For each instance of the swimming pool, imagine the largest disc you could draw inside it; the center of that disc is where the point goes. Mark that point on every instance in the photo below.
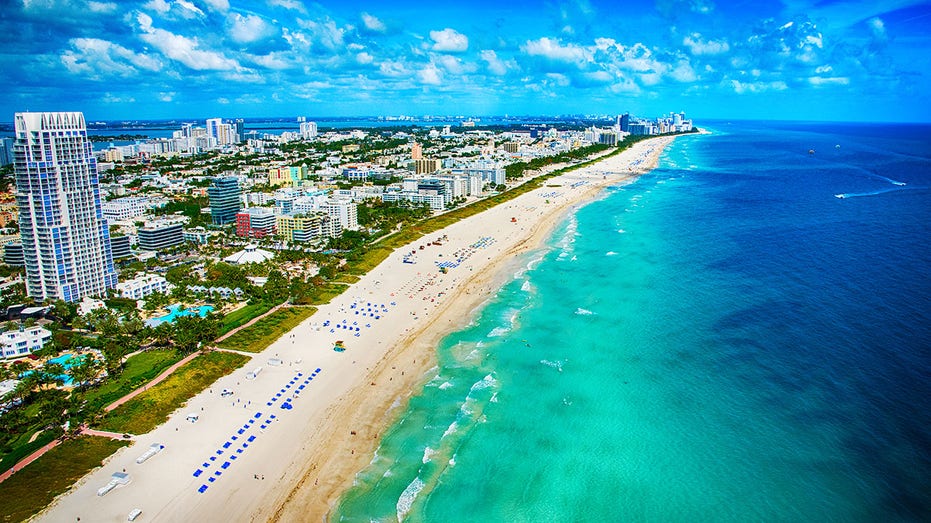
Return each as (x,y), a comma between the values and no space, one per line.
(176,310)
(67,361)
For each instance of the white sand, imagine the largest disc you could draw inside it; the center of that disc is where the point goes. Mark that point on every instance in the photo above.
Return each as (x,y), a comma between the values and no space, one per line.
(307,455)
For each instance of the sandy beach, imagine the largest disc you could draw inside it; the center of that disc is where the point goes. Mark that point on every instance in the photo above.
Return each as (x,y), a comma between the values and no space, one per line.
(288,441)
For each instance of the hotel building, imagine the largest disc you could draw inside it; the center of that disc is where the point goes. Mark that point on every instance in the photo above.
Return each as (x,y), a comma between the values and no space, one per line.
(66,240)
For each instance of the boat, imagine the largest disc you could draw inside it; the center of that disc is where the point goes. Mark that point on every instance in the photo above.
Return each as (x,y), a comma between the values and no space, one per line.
(841,196)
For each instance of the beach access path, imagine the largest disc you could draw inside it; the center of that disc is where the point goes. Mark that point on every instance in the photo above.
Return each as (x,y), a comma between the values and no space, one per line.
(303,418)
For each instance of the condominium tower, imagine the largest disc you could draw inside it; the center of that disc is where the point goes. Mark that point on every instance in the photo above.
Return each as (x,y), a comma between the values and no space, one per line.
(66,241)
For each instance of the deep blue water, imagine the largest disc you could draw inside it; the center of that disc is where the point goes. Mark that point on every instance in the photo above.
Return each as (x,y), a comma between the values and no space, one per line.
(723,340)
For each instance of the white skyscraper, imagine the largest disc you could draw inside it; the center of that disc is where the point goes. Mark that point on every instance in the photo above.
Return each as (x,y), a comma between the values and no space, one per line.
(309,130)
(66,241)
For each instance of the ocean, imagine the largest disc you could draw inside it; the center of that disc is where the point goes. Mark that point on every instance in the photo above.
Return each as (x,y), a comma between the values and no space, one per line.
(723,340)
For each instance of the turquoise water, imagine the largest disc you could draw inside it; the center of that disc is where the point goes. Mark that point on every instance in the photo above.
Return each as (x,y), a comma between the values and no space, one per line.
(175,310)
(66,361)
(724,340)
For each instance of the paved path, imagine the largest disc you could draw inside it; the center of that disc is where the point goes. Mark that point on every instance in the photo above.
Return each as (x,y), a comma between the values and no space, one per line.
(253,320)
(105,434)
(29,459)
(167,372)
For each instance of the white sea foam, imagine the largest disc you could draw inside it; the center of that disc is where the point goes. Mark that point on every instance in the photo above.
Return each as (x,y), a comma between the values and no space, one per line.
(610,253)
(498,331)
(445,385)
(427,454)
(452,461)
(583,312)
(408,496)
(494,398)
(622,231)
(553,364)
(450,429)
(527,286)
(484,383)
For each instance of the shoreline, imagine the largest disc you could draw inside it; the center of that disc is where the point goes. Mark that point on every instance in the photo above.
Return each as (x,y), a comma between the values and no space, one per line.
(465,304)
(312,453)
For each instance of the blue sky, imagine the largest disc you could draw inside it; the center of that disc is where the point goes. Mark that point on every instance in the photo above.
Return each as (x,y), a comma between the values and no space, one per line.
(796,59)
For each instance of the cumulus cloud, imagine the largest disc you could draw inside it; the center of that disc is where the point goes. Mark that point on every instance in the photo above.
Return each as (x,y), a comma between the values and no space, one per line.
(553,49)
(495,64)
(166,96)
(372,23)
(248,28)
(183,49)
(325,32)
(430,75)
(219,5)
(449,40)
(698,46)
(94,57)
(293,5)
(364,58)
(878,28)
(101,7)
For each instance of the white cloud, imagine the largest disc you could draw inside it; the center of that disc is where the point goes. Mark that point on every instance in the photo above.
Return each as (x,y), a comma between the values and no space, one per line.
(159,6)
(294,5)
(373,24)
(364,58)
(430,75)
(248,28)
(219,5)
(824,69)
(683,72)
(455,65)
(495,65)
(223,101)
(101,7)
(554,50)
(833,80)
(877,27)
(189,10)
(757,87)
(167,96)
(182,49)
(449,40)
(271,61)
(326,33)
(393,68)
(698,46)
(113,99)
(93,56)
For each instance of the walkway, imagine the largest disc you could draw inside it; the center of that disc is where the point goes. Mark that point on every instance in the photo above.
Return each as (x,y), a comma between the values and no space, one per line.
(161,377)
(29,459)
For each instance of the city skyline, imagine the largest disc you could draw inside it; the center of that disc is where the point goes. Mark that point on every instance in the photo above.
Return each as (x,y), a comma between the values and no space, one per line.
(154,59)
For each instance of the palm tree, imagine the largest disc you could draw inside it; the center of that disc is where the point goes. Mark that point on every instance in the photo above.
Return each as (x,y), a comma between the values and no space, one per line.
(84,372)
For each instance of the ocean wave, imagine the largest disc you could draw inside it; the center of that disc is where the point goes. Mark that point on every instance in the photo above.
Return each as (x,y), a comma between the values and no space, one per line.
(484,383)
(427,454)
(445,385)
(621,231)
(498,331)
(406,501)
(610,253)
(527,286)
(451,429)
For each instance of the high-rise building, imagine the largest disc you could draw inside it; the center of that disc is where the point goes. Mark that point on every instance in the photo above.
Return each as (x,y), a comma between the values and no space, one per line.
(66,240)
(240,127)
(416,151)
(625,122)
(308,130)
(225,199)
(6,151)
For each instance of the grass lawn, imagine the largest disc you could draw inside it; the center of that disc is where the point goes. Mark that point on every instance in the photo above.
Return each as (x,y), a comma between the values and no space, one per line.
(137,371)
(22,447)
(242,316)
(32,488)
(264,332)
(151,408)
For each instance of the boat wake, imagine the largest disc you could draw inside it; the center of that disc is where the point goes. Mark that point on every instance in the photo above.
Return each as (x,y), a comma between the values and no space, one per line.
(848,195)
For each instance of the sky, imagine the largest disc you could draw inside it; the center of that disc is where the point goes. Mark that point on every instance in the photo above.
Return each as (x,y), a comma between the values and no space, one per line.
(856,60)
